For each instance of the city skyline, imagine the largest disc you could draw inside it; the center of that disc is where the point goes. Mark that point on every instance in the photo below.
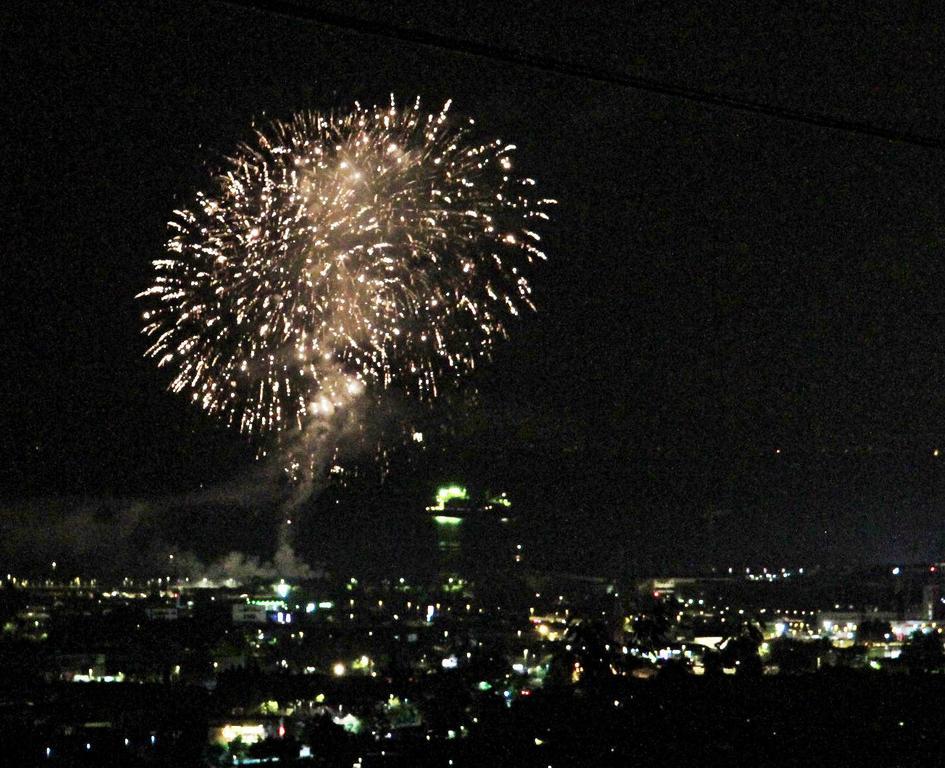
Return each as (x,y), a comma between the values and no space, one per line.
(400,384)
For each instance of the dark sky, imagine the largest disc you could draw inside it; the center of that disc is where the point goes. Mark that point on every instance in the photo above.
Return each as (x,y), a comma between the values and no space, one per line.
(723,285)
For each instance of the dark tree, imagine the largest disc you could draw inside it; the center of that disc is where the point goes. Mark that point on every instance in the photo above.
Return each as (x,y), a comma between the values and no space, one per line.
(923,652)
(873,631)
(796,656)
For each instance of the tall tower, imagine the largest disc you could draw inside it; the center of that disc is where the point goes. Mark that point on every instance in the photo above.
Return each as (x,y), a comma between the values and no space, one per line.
(471,536)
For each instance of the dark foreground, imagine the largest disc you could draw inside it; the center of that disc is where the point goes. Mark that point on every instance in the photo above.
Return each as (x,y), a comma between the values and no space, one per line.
(830,718)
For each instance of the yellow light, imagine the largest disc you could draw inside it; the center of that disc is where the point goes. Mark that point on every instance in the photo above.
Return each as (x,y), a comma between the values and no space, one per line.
(249,734)
(338,669)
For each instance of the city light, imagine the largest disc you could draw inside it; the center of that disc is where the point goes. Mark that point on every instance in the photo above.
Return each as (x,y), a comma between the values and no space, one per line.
(248,734)
(501,500)
(349,722)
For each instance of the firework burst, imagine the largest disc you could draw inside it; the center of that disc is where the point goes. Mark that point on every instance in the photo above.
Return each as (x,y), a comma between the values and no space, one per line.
(334,257)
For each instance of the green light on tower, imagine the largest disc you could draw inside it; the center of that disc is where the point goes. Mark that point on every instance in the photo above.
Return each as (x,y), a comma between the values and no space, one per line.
(449,493)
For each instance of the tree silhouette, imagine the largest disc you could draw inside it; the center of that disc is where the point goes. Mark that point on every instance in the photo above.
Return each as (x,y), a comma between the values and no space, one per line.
(651,629)
(740,649)
(873,631)
(589,642)
(796,656)
(923,652)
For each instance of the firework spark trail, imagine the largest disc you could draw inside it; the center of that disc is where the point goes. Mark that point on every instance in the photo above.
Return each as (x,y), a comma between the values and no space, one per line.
(334,257)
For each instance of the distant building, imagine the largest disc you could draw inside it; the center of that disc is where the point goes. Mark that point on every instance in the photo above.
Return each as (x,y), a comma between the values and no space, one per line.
(265,612)
(933,604)
(248,613)
(81,667)
(162,614)
(471,534)
(248,731)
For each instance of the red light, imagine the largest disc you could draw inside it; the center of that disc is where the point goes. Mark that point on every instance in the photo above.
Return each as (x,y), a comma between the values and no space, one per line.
(281,731)
(932,568)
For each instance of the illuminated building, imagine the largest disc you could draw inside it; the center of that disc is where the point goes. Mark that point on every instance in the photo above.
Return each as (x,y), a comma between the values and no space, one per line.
(247,731)
(261,612)
(469,533)
(249,614)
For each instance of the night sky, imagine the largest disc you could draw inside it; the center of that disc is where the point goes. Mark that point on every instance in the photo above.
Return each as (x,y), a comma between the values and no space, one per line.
(741,320)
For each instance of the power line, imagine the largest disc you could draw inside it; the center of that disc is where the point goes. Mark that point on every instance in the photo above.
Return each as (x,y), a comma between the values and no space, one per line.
(584,72)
